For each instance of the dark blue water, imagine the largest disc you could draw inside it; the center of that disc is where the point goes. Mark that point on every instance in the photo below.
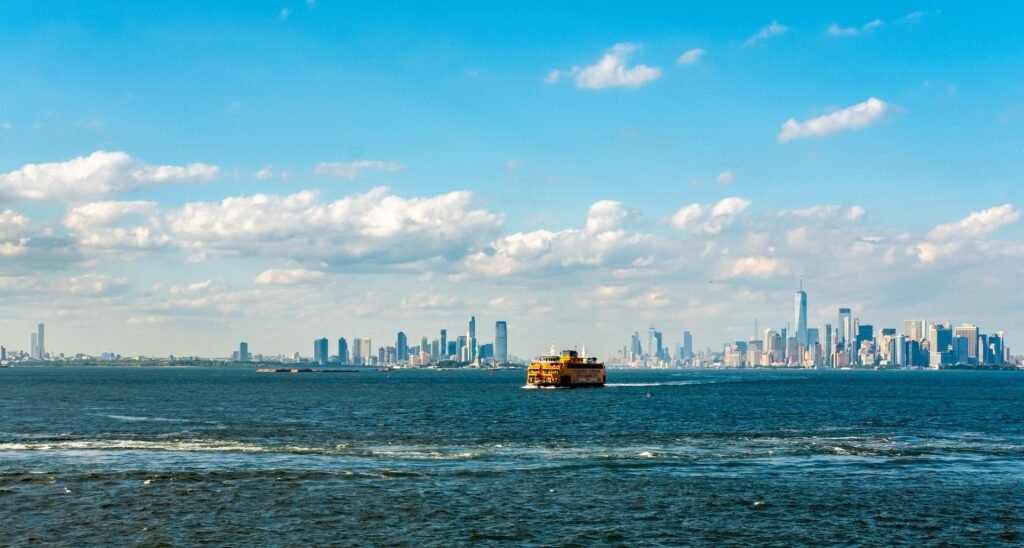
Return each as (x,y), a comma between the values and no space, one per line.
(185,456)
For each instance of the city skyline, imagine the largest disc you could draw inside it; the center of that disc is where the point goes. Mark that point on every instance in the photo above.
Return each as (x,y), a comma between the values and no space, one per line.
(311,168)
(920,343)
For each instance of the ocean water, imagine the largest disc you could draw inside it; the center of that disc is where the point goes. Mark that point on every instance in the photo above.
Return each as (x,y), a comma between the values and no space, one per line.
(186,456)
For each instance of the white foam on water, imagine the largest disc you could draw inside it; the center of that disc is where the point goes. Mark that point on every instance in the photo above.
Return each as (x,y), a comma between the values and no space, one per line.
(133,418)
(142,445)
(648,384)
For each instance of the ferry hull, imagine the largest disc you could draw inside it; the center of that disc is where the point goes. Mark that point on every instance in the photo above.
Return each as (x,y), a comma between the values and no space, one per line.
(569,385)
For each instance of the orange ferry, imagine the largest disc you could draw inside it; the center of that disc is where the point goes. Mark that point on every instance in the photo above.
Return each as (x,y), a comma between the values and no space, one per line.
(565,370)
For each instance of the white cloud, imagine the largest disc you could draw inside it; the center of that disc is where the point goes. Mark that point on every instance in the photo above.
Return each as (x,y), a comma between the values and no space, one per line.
(726,177)
(6,126)
(429,301)
(374,228)
(611,291)
(978,224)
(603,239)
(851,118)
(288,276)
(12,223)
(913,17)
(690,57)
(708,220)
(687,217)
(102,225)
(513,165)
(757,267)
(100,173)
(351,170)
(92,285)
(766,32)
(931,252)
(837,31)
(611,70)
(265,172)
(607,215)
(826,212)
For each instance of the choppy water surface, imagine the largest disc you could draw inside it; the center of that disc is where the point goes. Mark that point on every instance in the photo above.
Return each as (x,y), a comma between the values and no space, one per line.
(101,456)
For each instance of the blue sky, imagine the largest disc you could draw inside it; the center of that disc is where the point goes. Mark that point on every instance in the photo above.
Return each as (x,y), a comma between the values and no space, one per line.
(432,100)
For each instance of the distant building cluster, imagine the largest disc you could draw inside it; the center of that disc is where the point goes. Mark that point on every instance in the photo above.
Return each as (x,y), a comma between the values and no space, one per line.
(850,344)
(462,350)
(37,348)
(847,344)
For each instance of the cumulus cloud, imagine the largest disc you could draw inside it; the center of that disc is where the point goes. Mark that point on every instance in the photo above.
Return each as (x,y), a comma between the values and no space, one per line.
(978,224)
(352,170)
(375,228)
(766,32)
(265,172)
(92,285)
(115,225)
(611,70)
(690,57)
(708,219)
(100,173)
(12,223)
(837,31)
(726,177)
(429,301)
(851,118)
(947,241)
(826,212)
(611,291)
(288,276)
(757,267)
(602,240)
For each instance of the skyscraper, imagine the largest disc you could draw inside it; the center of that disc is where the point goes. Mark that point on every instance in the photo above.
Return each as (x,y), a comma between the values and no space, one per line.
(969,332)
(41,343)
(845,327)
(634,346)
(402,347)
(342,350)
(651,350)
(687,344)
(357,351)
(320,352)
(444,342)
(772,347)
(828,348)
(33,351)
(471,339)
(367,345)
(914,330)
(243,352)
(501,341)
(800,314)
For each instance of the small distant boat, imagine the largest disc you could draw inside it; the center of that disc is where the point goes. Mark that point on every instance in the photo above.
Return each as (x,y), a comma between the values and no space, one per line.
(385,369)
(567,370)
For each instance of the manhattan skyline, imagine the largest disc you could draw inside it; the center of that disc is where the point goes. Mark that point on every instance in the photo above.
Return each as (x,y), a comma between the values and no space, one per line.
(289,170)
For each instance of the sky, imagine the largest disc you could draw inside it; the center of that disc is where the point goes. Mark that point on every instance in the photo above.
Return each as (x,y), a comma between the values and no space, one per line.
(179,177)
